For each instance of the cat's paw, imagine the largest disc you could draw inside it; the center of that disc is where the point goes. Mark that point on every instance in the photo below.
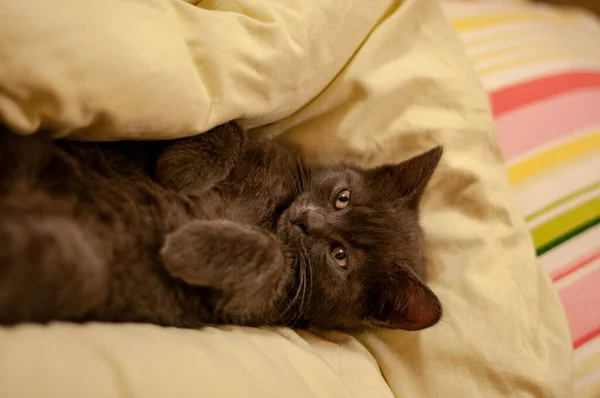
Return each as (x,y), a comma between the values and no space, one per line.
(234,137)
(198,163)
(222,254)
(245,267)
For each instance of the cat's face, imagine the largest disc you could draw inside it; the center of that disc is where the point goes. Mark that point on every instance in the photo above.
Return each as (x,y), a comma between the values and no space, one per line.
(356,241)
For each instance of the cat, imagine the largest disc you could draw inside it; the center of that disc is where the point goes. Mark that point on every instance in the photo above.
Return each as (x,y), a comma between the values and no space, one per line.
(212,229)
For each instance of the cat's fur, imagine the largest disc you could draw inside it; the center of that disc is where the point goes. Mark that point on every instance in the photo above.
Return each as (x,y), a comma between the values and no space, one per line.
(215,228)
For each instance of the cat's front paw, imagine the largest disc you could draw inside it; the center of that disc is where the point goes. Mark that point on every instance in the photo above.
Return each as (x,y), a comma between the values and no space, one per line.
(185,251)
(198,163)
(244,266)
(223,254)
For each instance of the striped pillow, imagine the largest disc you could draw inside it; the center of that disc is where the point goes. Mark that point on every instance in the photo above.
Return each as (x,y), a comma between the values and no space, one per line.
(541,68)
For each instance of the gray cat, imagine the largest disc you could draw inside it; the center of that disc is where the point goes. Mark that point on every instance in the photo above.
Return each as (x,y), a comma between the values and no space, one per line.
(212,229)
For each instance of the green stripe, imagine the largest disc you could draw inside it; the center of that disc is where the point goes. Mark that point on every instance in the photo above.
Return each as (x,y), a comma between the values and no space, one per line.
(562,239)
(562,224)
(563,200)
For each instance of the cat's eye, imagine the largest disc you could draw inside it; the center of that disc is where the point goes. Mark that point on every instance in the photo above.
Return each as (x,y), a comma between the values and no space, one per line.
(340,256)
(342,199)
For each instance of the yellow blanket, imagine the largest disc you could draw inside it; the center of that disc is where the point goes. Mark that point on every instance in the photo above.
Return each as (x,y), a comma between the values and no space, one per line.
(366,81)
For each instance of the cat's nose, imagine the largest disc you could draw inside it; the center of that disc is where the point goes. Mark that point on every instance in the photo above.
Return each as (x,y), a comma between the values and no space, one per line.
(309,221)
(302,221)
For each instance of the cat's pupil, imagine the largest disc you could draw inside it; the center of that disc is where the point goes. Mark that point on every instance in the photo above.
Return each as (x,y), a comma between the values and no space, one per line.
(343,198)
(340,255)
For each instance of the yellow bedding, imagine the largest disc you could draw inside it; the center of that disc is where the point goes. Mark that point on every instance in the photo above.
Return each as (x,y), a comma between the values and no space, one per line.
(369,82)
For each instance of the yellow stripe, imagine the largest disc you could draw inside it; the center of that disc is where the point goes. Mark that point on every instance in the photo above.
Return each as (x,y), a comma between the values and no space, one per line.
(511,35)
(507,50)
(564,223)
(537,48)
(552,157)
(474,22)
(535,59)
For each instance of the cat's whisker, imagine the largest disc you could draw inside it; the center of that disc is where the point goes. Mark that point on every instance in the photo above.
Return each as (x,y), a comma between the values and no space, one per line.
(303,178)
(284,314)
(310,274)
(303,273)
(303,296)
(294,182)
(293,317)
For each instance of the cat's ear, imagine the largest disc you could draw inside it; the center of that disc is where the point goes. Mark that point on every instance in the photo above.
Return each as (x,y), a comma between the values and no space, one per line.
(411,176)
(413,307)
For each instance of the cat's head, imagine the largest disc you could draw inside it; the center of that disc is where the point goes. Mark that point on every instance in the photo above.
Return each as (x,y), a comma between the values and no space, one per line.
(356,241)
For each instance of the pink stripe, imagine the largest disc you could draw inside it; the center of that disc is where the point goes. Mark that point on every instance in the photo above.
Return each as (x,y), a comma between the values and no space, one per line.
(574,266)
(512,97)
(589,336)
(532,125)
(581,300)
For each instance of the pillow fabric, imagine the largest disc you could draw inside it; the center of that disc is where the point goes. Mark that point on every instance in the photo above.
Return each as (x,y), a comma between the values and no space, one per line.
(150,69)
(369,83)
(541,67)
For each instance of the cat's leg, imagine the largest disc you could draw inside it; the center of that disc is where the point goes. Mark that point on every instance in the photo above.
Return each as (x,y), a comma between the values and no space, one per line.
(245,265)
(49,270)
(198,163)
